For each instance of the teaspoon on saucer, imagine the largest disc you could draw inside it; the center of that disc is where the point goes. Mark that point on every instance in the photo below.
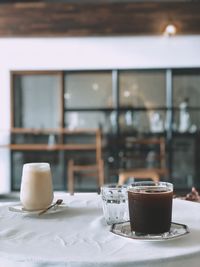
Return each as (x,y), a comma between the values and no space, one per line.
(58,202)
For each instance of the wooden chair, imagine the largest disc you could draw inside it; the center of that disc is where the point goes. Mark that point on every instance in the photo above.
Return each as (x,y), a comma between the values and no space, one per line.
(94,169)
(152,172)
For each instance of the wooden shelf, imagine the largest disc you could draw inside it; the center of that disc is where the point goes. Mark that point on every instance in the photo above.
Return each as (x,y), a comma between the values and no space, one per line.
(54,147)
(51,131)
(40,147)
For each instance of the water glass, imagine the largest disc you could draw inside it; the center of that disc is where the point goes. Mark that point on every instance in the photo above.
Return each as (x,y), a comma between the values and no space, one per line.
(115,203)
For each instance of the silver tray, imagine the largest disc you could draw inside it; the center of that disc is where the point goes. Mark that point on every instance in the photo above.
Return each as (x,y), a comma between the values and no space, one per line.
(124,229)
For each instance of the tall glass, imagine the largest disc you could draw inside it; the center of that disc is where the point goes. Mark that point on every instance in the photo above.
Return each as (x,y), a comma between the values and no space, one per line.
(115,203)
(150,207)
(36,191)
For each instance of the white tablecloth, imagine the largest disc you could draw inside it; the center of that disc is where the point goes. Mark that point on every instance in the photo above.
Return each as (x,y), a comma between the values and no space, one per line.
(78,236)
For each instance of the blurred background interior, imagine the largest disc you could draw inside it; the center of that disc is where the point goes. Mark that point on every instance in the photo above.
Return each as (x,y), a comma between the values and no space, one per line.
(105,91)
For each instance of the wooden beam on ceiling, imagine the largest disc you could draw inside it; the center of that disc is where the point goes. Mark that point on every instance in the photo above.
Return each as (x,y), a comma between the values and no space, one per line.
(45,19)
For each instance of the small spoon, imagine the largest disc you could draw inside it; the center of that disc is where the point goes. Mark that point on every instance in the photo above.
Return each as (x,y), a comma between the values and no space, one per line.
(58,202)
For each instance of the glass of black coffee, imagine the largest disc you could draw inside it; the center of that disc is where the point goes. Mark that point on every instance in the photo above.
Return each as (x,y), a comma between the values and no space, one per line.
(150,207)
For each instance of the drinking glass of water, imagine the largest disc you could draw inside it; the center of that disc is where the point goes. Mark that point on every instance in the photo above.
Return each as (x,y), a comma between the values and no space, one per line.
(115,203)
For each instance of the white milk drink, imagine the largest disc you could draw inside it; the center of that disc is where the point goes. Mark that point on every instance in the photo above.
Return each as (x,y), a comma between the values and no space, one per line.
(36,191)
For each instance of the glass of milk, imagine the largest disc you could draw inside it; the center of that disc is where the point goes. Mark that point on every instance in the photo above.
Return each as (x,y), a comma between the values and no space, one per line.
(36,191)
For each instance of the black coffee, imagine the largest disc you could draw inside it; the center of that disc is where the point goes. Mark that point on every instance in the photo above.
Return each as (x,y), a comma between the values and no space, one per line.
(150,210)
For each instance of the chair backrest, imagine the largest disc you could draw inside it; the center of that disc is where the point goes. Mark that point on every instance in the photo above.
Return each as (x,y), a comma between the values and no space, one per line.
(82,142)
(147,152)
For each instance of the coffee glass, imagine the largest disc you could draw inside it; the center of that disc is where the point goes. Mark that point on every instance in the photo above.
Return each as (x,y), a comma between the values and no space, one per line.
(115,203)
(36,191)
(150,207)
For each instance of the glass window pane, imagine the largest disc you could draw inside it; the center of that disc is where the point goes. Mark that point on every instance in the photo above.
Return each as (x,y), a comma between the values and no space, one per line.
(186,86)
(142,89)
(90,120)
(88,90)
(183,171)
(187,122)
(37,101)
(134,121)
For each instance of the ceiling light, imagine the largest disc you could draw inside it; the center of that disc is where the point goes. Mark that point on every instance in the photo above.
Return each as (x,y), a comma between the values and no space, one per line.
(170,30)
(95,86)
(127,93)
(67,96)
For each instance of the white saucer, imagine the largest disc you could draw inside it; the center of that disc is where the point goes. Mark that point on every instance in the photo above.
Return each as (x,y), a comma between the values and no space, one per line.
(19,208)
(124,229)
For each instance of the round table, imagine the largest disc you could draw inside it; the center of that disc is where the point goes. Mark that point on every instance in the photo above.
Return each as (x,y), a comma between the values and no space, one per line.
(78,236)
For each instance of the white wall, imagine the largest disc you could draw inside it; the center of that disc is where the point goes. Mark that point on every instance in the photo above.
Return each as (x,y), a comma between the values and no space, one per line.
(85,53)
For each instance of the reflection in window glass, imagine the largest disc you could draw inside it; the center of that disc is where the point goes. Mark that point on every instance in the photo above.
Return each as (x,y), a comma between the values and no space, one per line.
(183,151)
(88,90)
(142,89)
(186,122)
(90,120)
(36,101)
(186,88)
(186,95)
(142,121)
